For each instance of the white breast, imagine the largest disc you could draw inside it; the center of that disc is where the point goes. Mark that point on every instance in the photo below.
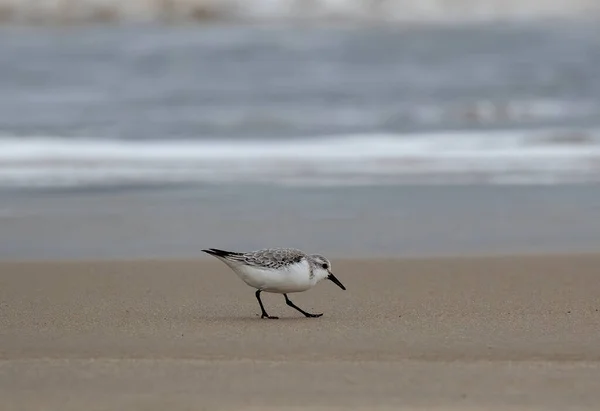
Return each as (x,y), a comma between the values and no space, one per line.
(290,279)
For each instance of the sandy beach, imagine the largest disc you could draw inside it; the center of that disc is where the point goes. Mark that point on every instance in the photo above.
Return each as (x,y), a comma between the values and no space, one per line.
(513,332)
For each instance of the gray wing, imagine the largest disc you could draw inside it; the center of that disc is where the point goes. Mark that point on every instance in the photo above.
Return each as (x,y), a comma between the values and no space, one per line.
(273,257)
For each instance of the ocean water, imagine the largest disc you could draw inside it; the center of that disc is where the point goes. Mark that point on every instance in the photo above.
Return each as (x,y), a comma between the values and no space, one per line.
(490,103)
(111,134)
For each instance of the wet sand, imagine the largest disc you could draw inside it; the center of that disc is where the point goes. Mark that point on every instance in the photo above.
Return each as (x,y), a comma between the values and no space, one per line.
(492,333)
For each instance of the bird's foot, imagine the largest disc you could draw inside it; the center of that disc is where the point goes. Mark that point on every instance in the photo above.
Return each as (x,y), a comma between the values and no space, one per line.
(309,315)
(270,317)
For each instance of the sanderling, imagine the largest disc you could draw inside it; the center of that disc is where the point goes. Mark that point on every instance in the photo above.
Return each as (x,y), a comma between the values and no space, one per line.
(278,270)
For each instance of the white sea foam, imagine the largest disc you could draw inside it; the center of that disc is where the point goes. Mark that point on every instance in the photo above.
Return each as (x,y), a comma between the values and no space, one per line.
(390,10)
(543,156)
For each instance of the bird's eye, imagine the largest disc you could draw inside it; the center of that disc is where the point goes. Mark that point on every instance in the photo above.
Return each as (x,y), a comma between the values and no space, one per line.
(325,266)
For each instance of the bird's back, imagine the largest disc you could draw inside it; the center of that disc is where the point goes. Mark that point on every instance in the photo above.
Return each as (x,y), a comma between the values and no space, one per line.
(283,270)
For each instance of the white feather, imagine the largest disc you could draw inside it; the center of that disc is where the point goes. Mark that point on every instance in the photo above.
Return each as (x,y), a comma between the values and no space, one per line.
(290,279)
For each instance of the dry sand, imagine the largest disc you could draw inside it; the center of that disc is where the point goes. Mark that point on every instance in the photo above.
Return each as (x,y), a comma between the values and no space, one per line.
(458,333)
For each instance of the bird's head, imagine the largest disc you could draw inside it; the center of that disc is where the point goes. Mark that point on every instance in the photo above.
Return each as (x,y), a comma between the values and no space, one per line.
(322,270)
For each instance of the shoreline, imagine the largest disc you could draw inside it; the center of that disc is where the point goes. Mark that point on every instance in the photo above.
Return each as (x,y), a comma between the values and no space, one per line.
(363,222)
(412,259)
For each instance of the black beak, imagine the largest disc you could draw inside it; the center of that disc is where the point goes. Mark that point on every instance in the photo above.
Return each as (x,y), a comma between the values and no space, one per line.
(335,281)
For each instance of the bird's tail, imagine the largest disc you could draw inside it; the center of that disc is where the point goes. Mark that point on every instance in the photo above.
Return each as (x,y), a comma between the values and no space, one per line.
(221,253)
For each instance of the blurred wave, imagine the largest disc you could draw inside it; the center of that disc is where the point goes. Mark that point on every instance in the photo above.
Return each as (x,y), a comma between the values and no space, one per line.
(160,106)
(64,11)
(517,156)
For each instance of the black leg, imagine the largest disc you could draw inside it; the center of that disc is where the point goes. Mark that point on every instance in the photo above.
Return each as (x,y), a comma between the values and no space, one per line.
(291,304)
(264,313)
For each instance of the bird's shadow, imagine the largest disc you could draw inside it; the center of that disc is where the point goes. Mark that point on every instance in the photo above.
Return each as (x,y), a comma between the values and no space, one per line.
(257,318)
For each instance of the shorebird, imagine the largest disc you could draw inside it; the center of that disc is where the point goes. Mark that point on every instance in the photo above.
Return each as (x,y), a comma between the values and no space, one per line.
(278,270)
